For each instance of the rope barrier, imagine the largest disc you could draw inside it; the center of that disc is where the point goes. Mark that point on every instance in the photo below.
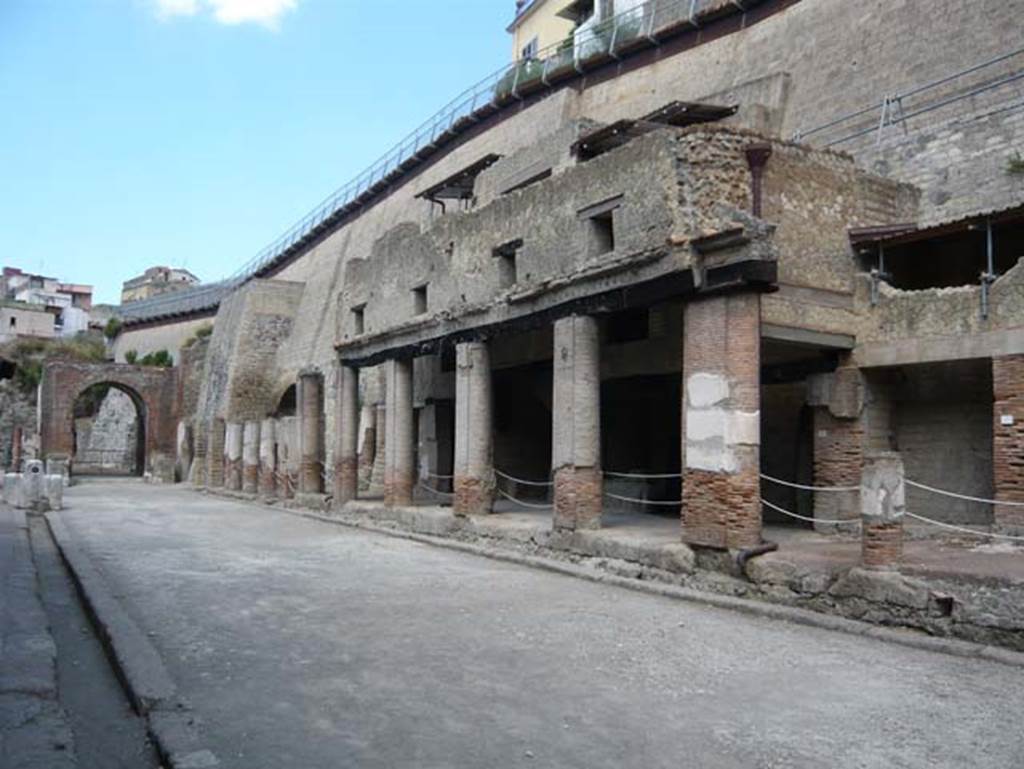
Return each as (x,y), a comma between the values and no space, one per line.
(963,529)
(522,480)
(435,476)
(434,491)
(645,476)
(666,502)
(510,498)
(953,494)
(808,488)
(799,517)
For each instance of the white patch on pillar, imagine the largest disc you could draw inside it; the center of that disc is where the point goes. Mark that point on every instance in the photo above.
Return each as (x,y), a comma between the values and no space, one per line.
(704,390)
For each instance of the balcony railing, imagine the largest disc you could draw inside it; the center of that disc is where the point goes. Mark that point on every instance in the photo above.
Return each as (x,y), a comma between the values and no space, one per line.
(644,25)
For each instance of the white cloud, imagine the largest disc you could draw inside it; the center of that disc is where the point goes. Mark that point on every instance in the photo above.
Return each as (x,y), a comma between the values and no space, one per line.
(266,13)
(168,8)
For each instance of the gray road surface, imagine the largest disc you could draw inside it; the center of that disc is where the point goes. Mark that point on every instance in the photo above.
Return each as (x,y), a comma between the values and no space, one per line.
(303,644)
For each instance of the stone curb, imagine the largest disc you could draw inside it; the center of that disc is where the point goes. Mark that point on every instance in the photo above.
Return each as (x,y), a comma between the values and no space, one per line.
(169,719)
(909,638)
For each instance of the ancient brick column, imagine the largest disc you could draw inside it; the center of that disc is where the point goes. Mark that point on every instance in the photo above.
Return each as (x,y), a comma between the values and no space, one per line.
(399,452)
(268,459)
(882,503)
(201,438)
(474,442)
(721,421)
(367,444)
(576,424)
(346,462)
(310,392)
(1008,440)
(251,457)
(234,436)
(215,455)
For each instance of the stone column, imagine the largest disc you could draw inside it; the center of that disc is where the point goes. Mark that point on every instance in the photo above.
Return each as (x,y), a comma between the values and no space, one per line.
(882,505)
(1008,441)
(233,441)
(215,455)
(400,454)
(268,459)
(310,392)
(16,445)
(199,460)
(368,444)
(346,468)
(380,451)
(251,457)
(576,424)
(721,431)
(474,441)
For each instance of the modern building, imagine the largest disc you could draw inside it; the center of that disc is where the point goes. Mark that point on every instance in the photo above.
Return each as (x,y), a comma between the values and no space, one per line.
(68,304)
(20,319)
(156,281)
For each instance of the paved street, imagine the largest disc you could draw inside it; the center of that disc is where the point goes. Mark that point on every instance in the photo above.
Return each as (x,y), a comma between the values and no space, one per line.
(304,644)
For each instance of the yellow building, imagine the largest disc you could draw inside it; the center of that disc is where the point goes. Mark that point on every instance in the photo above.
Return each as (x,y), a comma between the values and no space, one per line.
(543,23)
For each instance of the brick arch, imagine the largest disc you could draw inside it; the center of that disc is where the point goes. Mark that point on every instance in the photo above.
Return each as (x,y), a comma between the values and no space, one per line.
(154,391)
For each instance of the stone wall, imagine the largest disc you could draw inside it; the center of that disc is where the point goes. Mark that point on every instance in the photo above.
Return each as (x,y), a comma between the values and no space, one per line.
(17,409)
(148,338)
(107,440)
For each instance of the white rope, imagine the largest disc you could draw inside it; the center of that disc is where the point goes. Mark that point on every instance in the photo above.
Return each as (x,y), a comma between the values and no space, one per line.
(809,488)
(435,491)
(950,526)
(778,509)
(435,476)
(667,502)
(522,480)
(510,498)
(960,496)
(610,474)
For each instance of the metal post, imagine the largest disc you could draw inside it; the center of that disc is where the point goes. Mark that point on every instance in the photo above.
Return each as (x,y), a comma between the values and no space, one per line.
(988,277)
(653,6)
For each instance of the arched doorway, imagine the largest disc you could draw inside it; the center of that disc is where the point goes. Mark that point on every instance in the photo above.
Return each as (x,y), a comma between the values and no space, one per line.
(109,430)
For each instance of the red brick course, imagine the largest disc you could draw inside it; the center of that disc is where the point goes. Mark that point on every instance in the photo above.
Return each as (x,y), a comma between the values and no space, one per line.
(838,458)
(250,478)
(398,489)
(233,474)
(267,481)
(881,544)
(1008,440)
(346,480)
(473,496)
(579,493)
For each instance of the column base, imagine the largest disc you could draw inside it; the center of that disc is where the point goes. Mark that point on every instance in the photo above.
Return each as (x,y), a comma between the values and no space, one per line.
(579,496)
(881,544)
(250,478)
(346,480)
(267,482)
(310,479)
(721,510)
(473,496)
(233,475)
(398,491)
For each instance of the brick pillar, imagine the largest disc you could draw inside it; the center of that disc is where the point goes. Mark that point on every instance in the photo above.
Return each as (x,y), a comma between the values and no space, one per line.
(883,503)
(215,455)
(346,467)
(201,440)
(1008,440)
(234,438)
(378,473)
(268,459)
(474,441)
(400,454)
(367,444)
(251,457)
(576,425)
(310,392)
(721,421)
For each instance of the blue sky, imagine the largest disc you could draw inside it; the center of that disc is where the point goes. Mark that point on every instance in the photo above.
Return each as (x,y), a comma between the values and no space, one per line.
(193,132)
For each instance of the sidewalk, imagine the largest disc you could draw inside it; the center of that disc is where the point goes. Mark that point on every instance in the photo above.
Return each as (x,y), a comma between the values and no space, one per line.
(34,730)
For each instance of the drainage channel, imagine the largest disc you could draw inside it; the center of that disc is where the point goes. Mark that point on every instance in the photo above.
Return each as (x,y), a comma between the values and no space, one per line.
(108,733)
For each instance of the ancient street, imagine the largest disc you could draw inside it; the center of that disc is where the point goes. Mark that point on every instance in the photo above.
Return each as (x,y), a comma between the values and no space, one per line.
(301,643)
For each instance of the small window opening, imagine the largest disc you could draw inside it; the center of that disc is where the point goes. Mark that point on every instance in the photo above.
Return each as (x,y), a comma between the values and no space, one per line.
(505,254)
(419,300)
(602,233)
(14,322)
(530,50)
(359,319)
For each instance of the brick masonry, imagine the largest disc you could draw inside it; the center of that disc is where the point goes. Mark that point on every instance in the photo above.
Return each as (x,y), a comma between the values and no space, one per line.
(881,544)
(579,494)
(215,455)
(1008,439)
(473,496)
(838,455)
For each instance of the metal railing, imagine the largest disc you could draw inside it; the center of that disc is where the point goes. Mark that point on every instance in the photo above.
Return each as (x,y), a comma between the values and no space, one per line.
(636,27)
(896,108)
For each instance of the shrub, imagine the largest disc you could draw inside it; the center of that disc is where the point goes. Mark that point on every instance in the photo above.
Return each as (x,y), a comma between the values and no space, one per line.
(160,359)
(1015,165)
(113,328)
(131,357)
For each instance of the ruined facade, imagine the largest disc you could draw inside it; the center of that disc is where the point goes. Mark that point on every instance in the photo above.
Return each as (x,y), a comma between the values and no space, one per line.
(688,279)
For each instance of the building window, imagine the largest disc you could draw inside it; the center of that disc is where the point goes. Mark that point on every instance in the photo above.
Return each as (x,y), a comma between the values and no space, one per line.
(359,319)
(505,254)
(602,233)
(529,50)
(14,322)
(419,300)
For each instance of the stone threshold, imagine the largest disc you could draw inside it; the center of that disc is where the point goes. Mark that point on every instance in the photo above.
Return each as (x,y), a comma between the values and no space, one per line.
(980,611)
